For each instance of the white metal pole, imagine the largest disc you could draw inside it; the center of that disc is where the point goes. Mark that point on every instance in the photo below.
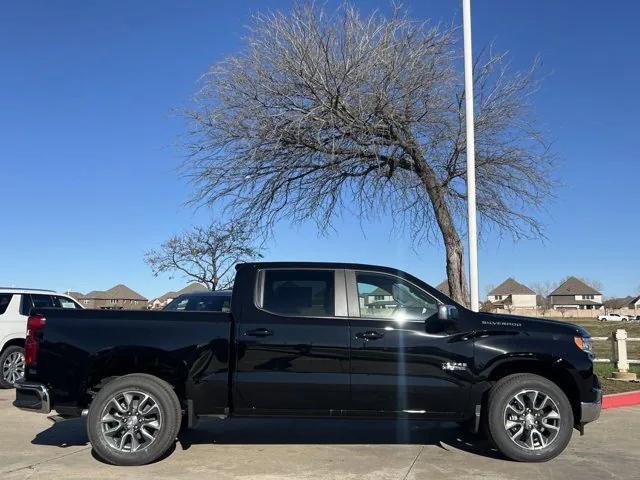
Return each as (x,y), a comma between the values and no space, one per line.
(471,157)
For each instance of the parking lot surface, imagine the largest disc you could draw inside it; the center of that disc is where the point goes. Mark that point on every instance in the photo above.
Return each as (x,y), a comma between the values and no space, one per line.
(31,446)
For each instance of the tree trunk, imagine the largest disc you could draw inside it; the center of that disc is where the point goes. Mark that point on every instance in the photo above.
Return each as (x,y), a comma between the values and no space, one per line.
(450,237)
(455,264)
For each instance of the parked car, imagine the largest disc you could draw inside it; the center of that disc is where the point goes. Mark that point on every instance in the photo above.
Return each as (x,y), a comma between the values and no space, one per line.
(311,339)
(613,317)
(218,301)
(15,305)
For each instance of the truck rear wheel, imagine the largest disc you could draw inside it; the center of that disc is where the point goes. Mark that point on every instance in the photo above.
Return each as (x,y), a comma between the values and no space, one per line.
(530,418)
(133,420)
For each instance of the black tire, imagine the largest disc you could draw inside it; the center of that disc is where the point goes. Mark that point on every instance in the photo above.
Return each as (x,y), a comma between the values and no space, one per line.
(503,393)
(170,415)
(9,351)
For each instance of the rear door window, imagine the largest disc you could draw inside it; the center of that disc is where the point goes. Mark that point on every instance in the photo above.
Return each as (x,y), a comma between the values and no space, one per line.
(5,300)
(307,293)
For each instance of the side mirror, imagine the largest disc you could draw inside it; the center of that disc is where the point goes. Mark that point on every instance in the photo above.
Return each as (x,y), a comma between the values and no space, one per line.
(447,312)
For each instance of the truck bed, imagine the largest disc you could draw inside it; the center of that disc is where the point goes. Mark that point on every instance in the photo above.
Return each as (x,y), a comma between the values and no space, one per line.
(187,348)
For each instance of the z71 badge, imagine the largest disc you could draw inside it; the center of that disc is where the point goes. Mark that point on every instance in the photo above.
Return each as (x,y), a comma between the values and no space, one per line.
(454,366)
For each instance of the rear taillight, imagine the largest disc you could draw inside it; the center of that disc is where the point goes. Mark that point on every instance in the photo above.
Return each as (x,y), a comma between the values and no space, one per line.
(35,325)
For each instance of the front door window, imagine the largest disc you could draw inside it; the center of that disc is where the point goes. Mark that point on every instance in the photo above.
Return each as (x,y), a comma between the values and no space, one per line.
(390,297)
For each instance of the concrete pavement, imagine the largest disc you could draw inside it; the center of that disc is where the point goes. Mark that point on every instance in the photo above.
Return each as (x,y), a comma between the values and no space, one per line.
(31,446)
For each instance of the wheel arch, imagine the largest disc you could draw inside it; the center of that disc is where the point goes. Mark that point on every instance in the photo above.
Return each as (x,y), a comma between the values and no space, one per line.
(559,372)
(12,341)
(114,364)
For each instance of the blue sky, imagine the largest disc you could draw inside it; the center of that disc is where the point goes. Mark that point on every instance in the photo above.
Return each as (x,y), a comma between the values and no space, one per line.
(88,155)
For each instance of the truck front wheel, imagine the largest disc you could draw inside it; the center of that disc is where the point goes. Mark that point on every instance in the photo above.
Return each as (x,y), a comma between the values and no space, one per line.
(133,420)
(530,418)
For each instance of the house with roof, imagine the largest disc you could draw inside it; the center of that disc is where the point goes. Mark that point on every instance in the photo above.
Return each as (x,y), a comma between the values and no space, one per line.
(75,295)
(634,303)
(165,299)
(617,303)
(512,294)
(628,302)
(574,293)
(116,298)
(377,298)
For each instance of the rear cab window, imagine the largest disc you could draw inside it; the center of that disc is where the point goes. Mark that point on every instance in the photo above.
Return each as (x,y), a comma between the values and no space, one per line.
(305,293)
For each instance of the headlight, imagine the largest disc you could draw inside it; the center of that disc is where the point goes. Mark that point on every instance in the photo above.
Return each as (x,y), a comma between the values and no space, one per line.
(585,344)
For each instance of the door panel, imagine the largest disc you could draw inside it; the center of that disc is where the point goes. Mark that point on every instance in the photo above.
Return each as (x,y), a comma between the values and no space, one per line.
(403,370)
(294,362)
(401,354)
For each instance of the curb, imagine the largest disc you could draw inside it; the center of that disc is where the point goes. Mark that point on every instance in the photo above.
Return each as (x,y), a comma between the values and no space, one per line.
(621,399)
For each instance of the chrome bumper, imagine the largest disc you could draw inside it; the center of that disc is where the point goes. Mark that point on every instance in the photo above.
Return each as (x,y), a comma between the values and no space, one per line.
(32,397)
(590,411)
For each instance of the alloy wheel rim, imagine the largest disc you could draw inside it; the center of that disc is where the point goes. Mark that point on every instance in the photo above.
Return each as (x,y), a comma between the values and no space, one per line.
(532,419)
(131,421)
(13,367)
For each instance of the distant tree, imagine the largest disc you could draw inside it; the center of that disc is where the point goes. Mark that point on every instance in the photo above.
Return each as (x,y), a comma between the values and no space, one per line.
(488,288)
(321,113)
(543,289)
(486,306)
(206,254)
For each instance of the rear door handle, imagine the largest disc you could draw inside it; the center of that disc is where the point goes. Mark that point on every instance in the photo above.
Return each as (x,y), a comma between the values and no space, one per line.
(370,335)
(258,332)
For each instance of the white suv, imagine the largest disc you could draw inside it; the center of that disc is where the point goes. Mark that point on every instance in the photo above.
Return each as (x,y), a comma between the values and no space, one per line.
(15,305)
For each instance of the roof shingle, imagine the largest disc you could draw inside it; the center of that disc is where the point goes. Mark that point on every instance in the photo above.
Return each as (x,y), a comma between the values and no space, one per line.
(120,292)
(511,287)
(574,286)
(192,287)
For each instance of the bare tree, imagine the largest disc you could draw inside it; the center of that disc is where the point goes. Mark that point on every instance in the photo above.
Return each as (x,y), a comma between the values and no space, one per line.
(325,111)
(543,289)
(205,254)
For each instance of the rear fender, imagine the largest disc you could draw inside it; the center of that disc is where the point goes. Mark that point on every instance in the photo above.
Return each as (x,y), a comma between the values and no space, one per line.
(119,361)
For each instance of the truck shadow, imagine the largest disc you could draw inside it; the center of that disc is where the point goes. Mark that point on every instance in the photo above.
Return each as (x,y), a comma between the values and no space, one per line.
(68,433)
(445,435)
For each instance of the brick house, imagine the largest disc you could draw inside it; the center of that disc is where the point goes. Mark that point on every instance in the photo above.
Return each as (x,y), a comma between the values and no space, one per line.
(512,294)
(116,298)
(574,293)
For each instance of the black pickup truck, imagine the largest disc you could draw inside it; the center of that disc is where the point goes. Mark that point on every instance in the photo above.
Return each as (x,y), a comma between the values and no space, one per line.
(311,339)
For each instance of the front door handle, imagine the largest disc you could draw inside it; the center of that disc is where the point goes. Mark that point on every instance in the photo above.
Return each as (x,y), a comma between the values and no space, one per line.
(258,332)
(370,335)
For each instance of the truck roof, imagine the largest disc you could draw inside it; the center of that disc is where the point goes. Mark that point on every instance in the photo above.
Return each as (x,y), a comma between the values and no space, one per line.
(346,265)
(351,266)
